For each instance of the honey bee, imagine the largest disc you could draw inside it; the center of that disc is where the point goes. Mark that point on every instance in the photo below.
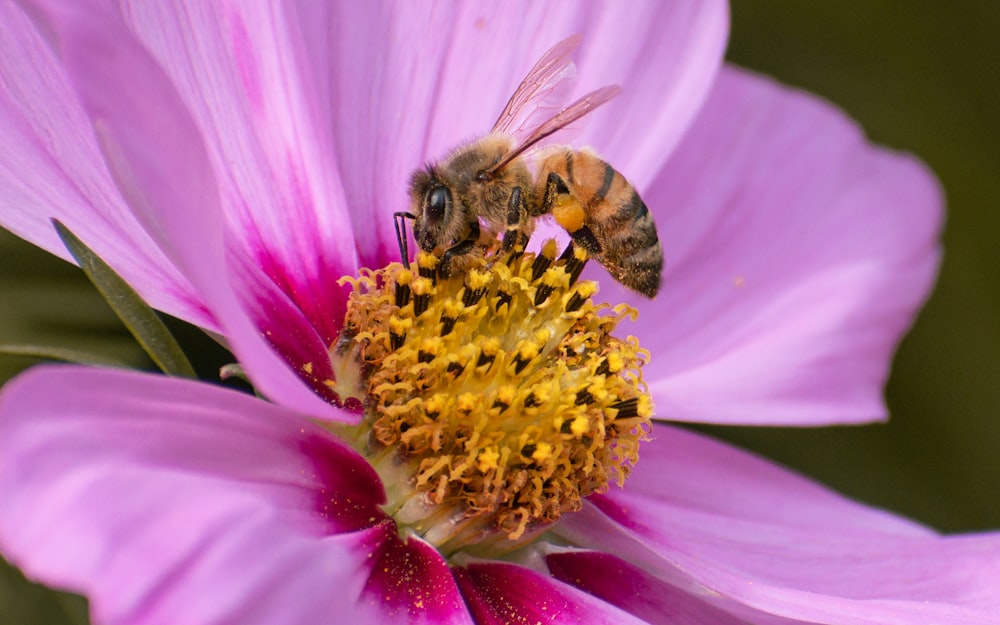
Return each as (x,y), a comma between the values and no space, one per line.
(460,206)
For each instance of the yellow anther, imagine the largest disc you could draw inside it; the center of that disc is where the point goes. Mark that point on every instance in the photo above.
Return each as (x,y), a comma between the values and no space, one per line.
(549,248)
(543,451)
(426,260)
(435,404)
(451,308)
(422,286)
(487,459)
(615,362)
(490,346)
(528,349)
(477,279)
(400,325)
(506,395)
(555,277)
(404,277)
(467,402)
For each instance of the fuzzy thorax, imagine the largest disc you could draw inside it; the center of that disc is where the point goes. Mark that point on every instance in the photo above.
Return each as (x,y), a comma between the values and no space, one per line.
(495,400)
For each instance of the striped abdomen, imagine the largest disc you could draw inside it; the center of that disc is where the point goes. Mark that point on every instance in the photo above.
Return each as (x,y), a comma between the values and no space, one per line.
(596,203)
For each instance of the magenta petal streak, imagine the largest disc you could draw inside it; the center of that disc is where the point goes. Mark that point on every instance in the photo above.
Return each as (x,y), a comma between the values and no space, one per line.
(171,189)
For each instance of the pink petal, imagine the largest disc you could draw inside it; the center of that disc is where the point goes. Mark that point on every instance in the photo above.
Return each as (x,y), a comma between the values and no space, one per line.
(53,168)
(243,71)
(171,190)
(171,501)
(410,582)
(797,254)
(500,593)
(445,71)
(634,590)
(782,546)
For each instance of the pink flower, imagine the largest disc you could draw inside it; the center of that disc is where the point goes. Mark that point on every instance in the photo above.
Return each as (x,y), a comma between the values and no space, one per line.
(234,161)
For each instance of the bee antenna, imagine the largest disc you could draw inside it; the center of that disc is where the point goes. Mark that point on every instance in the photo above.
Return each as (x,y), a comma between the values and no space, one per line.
(399,219)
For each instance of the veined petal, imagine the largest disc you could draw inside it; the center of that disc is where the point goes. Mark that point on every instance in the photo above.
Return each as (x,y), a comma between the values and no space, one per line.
(796,256)
(243,71)
(52,167)
(391,119)
(796,551)
(499,593)
(410,582)
(636,591)
(171,501)
(171,190)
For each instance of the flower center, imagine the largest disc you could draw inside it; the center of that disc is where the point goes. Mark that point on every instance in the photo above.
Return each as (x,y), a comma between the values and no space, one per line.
(495,400)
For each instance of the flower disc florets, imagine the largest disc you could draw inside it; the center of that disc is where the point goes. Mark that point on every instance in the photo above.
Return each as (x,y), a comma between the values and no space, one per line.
(495,400)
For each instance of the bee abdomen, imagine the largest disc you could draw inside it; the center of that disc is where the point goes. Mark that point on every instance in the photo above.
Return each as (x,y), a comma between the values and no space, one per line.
(631,248)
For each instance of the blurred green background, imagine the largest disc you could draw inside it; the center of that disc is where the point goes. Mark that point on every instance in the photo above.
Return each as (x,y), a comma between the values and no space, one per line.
(922,77)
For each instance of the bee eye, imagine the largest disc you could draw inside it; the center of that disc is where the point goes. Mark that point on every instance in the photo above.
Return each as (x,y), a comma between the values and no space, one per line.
(437,202)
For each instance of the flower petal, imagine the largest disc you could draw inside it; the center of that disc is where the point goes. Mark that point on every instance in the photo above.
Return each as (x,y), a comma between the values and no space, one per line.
(171,189)
(245,75)
(782,546)
(145,491)
(53,168)
(391,119)
(634,590)
(797,254)
(410,582)
(506,593)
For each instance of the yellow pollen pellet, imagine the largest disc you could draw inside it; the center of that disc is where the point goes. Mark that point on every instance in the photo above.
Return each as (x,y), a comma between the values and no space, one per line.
(549,249)
(568,213)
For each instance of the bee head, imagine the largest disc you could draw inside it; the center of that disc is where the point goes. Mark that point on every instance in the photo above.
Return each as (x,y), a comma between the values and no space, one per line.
(432,203)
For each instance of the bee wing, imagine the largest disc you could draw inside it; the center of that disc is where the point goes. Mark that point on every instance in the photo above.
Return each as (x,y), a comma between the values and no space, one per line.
(545,87)
(560,120)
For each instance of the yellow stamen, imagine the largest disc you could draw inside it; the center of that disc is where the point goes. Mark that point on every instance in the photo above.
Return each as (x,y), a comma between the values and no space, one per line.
(495,400)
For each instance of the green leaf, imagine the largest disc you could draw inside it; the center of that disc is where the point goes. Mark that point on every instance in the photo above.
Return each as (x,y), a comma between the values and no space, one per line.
(50,352)
(147,328)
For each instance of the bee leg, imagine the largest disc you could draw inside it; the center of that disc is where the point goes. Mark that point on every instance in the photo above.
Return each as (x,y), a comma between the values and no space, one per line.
(459,249)
(584,237)
(517,215)
(399,220)
(568,213)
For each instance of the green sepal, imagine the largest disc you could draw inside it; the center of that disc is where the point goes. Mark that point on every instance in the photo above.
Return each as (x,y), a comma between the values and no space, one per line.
(51,352)
(147,328)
